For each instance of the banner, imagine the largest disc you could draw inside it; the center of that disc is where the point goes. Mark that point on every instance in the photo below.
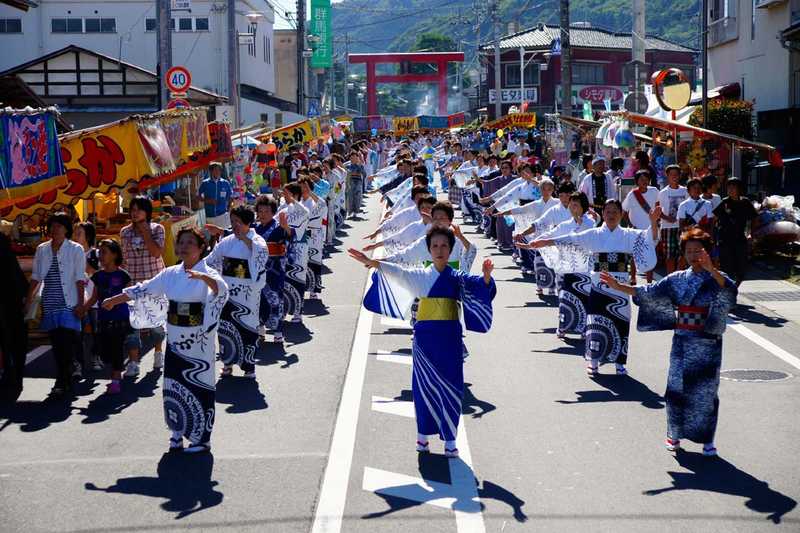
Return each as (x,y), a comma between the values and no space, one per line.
(30,157)
(521,120)
(101,159)
(320,27)
(404,125)
(372,122)
(220,149)
(297,133)
(456,120)
(429,122)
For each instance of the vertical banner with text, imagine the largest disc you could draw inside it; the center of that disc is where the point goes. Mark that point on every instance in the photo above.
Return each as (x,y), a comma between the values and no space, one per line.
(320,28)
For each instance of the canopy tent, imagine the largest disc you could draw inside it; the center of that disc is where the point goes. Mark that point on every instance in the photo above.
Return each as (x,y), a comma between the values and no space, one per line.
(250,142)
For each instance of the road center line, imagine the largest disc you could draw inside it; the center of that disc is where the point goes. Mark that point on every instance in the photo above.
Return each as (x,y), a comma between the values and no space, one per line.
(772,348)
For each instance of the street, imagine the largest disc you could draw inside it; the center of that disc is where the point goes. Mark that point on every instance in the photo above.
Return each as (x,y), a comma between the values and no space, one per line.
(324,441)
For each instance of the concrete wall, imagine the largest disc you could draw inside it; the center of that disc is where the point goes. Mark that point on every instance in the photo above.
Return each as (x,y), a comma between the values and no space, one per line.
(759,64)
(286,65)
(203,52)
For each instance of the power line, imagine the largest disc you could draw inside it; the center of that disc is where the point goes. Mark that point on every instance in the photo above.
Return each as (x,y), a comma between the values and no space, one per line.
(406,15)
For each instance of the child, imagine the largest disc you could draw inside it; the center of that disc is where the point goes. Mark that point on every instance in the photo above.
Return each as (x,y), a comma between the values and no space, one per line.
(114,325)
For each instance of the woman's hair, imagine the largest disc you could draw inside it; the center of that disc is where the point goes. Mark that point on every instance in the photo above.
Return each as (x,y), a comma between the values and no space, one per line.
(643,172)
(697,235)
(143,203)
(615,202)
(617,163)
(194,232)
(427,200)
(265,200)
(60,218)
(446,232)
(294,189)
(243,213)
(89,231)
(113,247)
(566,188)
(446,207)
(694,181)
(581,198)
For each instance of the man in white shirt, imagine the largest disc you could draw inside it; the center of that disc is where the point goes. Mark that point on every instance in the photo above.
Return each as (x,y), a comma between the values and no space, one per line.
(670,198)
(598,186)
(637,207)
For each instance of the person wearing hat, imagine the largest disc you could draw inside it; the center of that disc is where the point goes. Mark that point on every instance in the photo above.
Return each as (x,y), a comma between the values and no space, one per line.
(733,214)
(215,193)
(598,186)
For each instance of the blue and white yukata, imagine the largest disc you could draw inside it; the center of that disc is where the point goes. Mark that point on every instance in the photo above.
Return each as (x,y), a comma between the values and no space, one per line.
(524,217)
(695,307)
(244,270)
(609,311)
(273,295)
(574,283)
(297,257)
(438,370)
(317,212)
(191,311)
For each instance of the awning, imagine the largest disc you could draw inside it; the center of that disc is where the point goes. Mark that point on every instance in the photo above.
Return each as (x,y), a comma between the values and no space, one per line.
(593,124)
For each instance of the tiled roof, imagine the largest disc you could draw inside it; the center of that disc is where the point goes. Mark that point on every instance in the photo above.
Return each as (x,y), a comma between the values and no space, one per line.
(542,37)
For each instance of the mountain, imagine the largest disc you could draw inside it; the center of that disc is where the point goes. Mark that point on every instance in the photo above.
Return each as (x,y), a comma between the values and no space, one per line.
(383,25)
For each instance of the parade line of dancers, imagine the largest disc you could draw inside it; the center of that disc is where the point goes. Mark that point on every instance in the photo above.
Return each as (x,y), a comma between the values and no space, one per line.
(220,301)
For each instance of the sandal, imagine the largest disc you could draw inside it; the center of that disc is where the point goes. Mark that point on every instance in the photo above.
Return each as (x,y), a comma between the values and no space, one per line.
(451,453)
(175,444)
(423,447)
(709,450)
(591,369)
(226,372)
(672,445)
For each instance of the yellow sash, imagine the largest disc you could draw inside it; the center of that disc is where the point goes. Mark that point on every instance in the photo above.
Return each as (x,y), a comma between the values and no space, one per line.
(437,309)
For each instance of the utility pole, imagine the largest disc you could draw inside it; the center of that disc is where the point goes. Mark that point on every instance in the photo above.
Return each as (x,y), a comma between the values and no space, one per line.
(704,59)
(498,104)
(478,51)
(332,97)
(233,58)
(638,45)
(346,73)
(164,36)
(301,47)
(566,65)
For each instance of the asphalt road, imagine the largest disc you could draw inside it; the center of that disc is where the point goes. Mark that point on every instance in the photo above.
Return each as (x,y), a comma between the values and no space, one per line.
(325,442)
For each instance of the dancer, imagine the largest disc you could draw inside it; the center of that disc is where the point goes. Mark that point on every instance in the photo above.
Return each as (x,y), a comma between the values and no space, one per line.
(297,216)
(608,321)
(316,236)
(190,297)
(275,233)
(702,296)
(438,370)
(241,258)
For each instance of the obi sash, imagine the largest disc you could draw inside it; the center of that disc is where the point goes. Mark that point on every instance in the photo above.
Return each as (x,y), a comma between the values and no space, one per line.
(185,314)
(453,264)
(437,309)
(611,262)
(276,249)
(691,318)
(233,267)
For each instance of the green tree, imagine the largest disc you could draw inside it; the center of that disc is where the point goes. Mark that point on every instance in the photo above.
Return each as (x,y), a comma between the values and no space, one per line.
(432,41)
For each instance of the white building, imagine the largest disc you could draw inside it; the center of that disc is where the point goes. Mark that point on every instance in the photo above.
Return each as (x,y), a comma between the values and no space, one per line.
(126,30)
(754,43)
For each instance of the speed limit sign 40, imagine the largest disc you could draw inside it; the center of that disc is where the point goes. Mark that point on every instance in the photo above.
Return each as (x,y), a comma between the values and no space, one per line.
(178,79)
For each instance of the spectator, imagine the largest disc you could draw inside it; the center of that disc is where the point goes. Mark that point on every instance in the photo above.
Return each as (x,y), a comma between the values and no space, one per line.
(637,207)
(142,251)
(215,193)
(733,214)
(670,199)
(60,266)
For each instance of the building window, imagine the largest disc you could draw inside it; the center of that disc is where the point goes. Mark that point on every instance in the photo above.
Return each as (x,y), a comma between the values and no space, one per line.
(149,24)
(99,25)
(66,25)
(185,24)
(588,73)
(267,50)
(512,74)
(201,24)
(10,25)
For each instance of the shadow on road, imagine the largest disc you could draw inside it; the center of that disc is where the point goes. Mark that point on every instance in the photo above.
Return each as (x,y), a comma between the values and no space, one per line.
(436,468)
(272,353)
(714,474)
(314,308)
(751,315)
(104,406)
(241,393)
(619,389)
(184,480)
(296,333)
(470,405)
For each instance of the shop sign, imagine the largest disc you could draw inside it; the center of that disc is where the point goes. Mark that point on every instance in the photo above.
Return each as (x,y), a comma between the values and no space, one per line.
(514,96)
(405,124)
(521,120)
(320,28)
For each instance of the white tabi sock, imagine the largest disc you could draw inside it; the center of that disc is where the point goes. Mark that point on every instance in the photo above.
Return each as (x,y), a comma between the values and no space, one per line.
(449,445)
(422,438)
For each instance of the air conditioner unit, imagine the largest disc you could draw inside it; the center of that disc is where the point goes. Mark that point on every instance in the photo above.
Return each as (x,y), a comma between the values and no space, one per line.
(768,3)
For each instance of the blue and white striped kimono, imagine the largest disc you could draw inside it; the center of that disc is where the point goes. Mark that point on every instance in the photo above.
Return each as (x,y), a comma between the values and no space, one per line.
(438,370)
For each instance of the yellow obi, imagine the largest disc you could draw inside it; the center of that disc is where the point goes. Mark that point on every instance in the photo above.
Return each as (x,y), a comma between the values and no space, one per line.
(437,309)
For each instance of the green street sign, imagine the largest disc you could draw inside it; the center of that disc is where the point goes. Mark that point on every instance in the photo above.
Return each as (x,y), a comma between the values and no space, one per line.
(320,28)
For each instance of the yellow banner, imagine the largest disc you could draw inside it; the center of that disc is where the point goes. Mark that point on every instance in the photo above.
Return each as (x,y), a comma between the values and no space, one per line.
(405,124)
(520,120)
(297,133)
(100,160)
(186,132)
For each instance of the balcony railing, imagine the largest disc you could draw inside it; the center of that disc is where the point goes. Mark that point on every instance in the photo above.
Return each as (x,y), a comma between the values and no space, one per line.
(723,30)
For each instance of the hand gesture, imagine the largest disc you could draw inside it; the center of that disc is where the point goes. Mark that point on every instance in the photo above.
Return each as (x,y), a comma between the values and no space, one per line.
(704,260)
(456,231)
(283,220)
(108,304)
(361,257)
(519,237)
(370,247)
(655,215)
(487,269)
(194,274)
(610,280)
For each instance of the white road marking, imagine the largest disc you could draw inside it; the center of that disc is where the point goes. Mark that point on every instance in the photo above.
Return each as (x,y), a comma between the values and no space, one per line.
(461,495)
(393,357)
(390,322)
(36,353)
(333,494)
(393,407)
(772,348)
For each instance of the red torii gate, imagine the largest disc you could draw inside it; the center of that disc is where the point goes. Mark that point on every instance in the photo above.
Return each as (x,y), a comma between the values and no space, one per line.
(440,77)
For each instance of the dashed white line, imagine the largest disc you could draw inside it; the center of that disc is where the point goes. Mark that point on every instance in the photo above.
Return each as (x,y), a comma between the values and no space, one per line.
(393,357)
(393,407)
(36,353)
